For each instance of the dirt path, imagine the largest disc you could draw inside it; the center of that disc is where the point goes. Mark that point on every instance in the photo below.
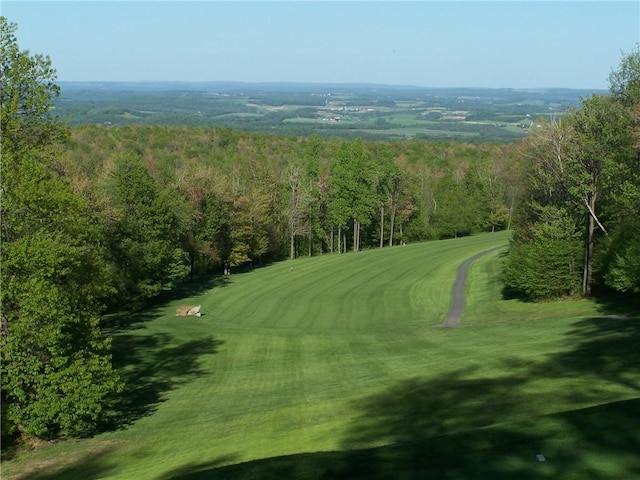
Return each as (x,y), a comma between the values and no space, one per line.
(457,295)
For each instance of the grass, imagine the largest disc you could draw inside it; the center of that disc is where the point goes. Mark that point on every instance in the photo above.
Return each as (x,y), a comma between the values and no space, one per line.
(335,367)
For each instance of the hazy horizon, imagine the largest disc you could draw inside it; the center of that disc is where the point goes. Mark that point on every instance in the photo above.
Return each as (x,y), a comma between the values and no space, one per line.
(424,44)
(234,83)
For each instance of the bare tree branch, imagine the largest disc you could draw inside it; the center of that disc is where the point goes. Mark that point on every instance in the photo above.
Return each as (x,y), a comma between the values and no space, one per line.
(592,213)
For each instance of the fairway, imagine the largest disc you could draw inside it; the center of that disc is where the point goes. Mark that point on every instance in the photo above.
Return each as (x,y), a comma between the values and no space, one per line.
(338,367)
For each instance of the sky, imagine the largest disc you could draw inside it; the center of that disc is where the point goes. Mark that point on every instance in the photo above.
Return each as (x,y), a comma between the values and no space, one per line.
(498,44)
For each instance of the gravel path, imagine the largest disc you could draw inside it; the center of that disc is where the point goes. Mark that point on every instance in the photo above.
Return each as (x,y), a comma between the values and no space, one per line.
(457,295)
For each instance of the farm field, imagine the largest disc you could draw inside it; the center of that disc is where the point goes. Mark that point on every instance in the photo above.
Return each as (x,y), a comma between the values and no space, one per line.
(336,367)
(374,112)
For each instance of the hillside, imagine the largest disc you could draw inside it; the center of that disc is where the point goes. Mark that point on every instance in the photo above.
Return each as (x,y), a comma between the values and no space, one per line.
(335,367)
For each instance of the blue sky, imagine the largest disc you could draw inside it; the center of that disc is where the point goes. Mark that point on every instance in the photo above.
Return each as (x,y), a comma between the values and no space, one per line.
(512,44)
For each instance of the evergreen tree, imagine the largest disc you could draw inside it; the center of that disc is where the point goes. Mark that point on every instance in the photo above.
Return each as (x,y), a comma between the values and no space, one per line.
(548,263)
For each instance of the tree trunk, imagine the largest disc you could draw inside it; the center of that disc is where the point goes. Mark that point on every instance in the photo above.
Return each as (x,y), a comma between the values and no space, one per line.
(339,239)
(392,221)
(356,235)
(381,226)
(587,271)
(292,252)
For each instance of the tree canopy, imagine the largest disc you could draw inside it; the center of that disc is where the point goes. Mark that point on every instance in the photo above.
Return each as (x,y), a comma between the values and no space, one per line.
(585,168)
(56,365)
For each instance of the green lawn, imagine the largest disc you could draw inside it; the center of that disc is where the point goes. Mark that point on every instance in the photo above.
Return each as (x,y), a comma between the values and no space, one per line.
(335,367)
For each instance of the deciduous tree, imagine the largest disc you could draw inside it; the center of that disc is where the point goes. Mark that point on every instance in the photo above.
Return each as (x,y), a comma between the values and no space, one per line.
(144,232)
(57,377)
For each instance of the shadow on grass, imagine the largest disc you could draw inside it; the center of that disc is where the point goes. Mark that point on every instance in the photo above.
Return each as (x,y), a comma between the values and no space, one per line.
(115,322)
(151,366)
(465,426)
(619,305)
(606,348)
(500,452)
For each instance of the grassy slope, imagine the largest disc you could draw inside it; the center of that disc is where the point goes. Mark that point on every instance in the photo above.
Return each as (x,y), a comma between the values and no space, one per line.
(342,356)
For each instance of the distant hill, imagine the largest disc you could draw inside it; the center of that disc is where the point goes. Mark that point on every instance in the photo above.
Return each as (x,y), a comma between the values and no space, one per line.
(369,111)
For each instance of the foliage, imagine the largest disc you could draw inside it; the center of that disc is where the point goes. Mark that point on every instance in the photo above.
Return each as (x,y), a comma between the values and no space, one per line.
(351,189)
(26,98)
(56,366)
(621,266)
(414,188)
(144,232)
(57,375)
(586,166)
(548,265)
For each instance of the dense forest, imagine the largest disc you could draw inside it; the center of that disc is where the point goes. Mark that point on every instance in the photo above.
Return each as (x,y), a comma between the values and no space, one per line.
(578,226)
(220,197)
(100,218)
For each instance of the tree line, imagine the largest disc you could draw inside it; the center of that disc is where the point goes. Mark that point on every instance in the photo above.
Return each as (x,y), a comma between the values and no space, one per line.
(179,202)
(99,218)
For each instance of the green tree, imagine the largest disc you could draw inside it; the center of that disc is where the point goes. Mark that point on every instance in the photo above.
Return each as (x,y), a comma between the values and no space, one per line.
(316,209)
(207,237)
(144,231)
(621,270)
(621,267)
(352,192)
(601,142)
(387,182)
(56,366)
(249,229)
(457,212)
(573,163)
(586,165)
(57,378)
(547,264)
(298,198)
(28,90)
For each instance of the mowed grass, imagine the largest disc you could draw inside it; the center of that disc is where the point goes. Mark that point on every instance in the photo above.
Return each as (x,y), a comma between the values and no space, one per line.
(336,367)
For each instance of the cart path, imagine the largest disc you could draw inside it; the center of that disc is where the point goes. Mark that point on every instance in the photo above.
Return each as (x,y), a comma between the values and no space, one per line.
(457,295)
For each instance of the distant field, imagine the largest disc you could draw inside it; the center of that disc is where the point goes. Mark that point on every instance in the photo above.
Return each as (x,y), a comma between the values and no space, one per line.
(369,111)
(336,367)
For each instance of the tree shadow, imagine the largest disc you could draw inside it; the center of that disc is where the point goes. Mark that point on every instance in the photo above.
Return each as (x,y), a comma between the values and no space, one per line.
(192,288)
(475,427)
(451,427)
(115,322)
(623,305)
(606,348)
(150,366)
(463,425)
